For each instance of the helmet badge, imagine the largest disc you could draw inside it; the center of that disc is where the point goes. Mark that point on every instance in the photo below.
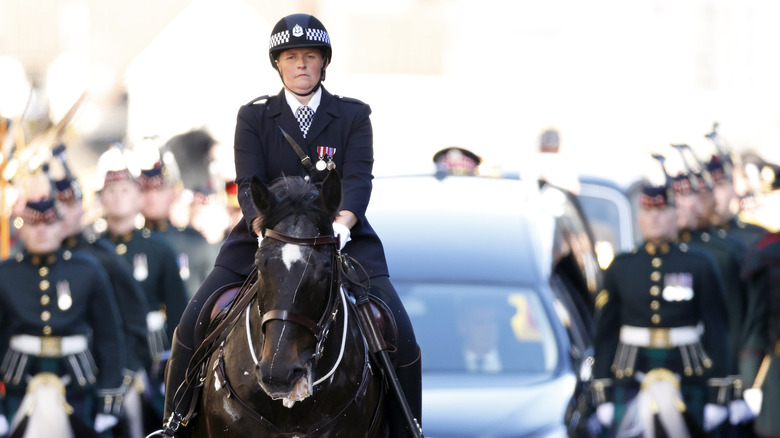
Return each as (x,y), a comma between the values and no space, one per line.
(297,31)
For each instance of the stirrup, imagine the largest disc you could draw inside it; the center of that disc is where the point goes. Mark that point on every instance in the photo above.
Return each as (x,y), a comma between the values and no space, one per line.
(175,421)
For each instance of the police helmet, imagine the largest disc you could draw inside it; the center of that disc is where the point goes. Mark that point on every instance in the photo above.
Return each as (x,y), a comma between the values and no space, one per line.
(295,31)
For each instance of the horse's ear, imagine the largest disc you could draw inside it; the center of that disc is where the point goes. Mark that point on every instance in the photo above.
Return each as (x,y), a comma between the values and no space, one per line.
(330,193)
(263,198)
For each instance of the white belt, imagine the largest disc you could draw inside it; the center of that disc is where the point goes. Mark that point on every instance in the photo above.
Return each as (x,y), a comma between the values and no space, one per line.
(652,337)
(49,346)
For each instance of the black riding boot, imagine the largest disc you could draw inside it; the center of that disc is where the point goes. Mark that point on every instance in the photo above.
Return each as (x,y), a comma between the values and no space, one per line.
(177,395)
(410,379)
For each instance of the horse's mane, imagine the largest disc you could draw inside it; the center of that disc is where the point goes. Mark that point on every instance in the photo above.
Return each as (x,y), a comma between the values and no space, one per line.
(296,196)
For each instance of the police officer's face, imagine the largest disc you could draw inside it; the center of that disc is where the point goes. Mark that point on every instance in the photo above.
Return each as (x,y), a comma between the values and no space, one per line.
(42,238)
(657,224)
(300,68)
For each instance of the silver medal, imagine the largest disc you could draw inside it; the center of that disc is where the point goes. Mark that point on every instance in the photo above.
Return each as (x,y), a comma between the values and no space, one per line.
(331,165)
(321,165)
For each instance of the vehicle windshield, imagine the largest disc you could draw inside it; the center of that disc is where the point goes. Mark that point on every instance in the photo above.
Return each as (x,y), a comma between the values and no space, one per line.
(480,329)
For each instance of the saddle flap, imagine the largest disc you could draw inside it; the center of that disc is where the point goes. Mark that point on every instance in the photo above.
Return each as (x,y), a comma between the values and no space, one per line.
(386,322)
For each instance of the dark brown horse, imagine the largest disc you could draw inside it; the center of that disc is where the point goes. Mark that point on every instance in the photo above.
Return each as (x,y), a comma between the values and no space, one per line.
(295,363)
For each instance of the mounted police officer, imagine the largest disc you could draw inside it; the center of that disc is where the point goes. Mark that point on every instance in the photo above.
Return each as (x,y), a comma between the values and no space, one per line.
(128,293)
(152,260)
(59,316)
(274,136)
(660,319)
(193,254)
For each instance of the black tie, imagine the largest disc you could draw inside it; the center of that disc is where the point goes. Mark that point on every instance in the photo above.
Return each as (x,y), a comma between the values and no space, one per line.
(304,115)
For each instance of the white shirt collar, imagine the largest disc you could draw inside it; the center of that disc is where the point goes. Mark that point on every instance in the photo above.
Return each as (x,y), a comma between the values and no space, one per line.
(314,103)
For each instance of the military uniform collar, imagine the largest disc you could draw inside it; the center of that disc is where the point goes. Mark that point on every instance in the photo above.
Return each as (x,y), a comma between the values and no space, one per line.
(160,225)
(71,241)
(654,249)
(120,238)
(40,260)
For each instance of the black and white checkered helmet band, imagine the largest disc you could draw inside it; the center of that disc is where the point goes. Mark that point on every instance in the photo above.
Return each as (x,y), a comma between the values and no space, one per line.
(283,37)
(279,38)
(317,35)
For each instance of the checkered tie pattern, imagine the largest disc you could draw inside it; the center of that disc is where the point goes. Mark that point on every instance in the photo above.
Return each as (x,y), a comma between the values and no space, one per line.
(304,114)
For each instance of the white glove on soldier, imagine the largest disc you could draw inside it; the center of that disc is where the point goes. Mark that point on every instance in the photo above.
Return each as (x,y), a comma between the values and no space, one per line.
(342,232)
(739,412)
(104,422)
(605,412)
(3,425)
(714,415)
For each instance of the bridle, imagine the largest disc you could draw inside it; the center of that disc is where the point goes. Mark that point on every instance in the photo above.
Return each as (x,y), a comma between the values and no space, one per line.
(318,329)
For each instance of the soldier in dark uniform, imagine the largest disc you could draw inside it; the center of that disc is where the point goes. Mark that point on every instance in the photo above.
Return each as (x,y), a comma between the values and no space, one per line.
(336,133)
(193,253)
(152,260)
(727,206)
(58,315)
(696,231)
(760,354)
(661,313)
(128,293)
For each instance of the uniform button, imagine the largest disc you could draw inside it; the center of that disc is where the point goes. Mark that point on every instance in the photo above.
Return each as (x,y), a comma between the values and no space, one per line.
(655,276)
(121,249)
(45,315)
(47,330)
(656,319)
(43,271)
(44,284)
(655,291)
(655,305)
(45,300)
(656,262)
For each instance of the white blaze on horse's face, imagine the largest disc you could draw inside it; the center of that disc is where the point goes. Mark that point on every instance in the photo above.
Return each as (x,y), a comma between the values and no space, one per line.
(291,254)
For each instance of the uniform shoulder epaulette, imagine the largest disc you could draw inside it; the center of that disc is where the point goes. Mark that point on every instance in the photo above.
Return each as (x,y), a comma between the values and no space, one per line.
(349,99)
(258,99)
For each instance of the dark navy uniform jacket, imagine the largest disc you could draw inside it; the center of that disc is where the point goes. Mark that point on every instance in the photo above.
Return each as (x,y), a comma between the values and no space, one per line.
(31,303)
(633,295)
(261,150)
(153,264)
(130,298)
(193,252)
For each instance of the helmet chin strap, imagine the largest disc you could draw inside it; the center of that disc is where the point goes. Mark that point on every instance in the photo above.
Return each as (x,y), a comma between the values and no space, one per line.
(316,86)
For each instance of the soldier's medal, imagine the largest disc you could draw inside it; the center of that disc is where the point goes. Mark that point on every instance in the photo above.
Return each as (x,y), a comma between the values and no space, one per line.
(678,287)
(184,266)
(64,298)
(140,267)
(322,152)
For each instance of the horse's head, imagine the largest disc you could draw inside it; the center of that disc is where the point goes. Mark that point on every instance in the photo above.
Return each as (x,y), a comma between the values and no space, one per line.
(295,263)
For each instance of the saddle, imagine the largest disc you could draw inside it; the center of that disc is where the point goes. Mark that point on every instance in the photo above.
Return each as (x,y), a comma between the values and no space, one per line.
(218,306)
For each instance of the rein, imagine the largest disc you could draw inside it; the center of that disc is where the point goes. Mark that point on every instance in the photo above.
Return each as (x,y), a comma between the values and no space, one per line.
(319,330)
